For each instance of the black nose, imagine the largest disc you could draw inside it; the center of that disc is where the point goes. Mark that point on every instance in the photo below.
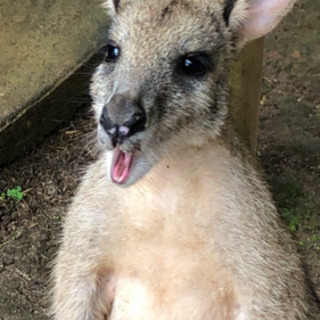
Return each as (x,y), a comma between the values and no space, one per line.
(118,133)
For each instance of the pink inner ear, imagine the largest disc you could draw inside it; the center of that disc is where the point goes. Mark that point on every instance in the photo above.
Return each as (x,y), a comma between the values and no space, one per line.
(263,16)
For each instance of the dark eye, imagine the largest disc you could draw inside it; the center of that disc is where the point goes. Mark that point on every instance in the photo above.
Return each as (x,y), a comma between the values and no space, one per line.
(112,53)
(196,64)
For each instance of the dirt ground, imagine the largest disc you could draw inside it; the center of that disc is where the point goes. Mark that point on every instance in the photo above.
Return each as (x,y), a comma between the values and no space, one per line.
(289,150)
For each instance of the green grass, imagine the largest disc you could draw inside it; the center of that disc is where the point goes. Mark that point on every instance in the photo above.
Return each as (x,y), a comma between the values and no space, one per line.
(15,193)
(296,207)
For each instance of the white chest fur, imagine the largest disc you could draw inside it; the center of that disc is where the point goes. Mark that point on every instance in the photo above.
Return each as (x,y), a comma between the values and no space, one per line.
(166,236)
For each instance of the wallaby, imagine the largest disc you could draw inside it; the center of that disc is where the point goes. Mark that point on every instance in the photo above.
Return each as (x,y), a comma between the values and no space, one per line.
(174,222)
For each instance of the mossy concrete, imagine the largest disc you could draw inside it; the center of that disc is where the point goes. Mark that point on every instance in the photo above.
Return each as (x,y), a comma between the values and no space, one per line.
(43,43)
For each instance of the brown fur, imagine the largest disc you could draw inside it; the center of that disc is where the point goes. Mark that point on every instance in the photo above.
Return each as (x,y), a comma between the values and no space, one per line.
(193,234)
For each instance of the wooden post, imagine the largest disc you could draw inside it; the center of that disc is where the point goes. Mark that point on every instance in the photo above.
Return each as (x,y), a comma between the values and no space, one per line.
(245,82)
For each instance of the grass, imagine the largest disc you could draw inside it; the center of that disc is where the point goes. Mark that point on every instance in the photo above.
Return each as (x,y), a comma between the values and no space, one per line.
(296,206)
(16,193)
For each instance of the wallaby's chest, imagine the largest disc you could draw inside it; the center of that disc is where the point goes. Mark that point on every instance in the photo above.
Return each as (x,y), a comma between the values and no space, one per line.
(137,300)
(162,281)
(166,244)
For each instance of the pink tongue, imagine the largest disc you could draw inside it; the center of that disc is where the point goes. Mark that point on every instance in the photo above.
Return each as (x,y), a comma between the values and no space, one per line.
(121,165)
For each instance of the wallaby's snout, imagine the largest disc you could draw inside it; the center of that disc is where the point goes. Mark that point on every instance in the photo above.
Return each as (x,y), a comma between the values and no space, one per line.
(121,118)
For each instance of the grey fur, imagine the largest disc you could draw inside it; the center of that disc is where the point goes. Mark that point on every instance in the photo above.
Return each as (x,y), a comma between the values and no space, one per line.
(193,233)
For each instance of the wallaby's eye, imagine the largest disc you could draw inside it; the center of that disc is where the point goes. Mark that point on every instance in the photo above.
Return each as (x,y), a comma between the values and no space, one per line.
(112,53)
(196,64)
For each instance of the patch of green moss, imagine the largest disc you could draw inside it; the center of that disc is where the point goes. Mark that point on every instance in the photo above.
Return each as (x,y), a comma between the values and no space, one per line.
(296,207)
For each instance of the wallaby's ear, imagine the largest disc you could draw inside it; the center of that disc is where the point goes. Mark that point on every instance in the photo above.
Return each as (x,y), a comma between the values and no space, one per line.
(251,19)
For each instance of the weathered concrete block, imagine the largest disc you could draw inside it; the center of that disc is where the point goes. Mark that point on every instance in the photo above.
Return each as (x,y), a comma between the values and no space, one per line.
(42,44)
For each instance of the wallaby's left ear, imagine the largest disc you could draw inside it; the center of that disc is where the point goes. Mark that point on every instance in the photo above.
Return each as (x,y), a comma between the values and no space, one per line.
(251,19)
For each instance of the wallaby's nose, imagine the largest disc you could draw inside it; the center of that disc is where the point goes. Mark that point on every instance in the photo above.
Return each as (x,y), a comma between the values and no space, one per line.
(118,132)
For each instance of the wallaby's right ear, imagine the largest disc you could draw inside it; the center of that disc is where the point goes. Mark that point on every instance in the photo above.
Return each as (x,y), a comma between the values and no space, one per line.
(251,19)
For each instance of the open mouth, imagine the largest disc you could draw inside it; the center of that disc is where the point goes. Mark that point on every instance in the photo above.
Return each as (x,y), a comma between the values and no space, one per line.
(121,166)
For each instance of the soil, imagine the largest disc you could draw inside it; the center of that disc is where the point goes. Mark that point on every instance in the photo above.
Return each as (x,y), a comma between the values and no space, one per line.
(289,150)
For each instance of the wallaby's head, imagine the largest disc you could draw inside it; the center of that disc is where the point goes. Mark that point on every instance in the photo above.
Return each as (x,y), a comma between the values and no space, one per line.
(164,77)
